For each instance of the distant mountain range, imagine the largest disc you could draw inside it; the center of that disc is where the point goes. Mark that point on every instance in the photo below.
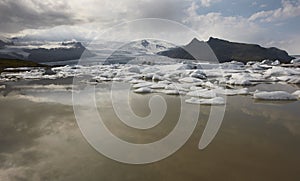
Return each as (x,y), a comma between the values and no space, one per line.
(214,50)
(224,51)
(42,53)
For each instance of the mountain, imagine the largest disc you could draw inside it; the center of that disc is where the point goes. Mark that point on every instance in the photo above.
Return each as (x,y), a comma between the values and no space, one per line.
(225,51)
(4,42)
(140,48)
(68,51)
(43,52)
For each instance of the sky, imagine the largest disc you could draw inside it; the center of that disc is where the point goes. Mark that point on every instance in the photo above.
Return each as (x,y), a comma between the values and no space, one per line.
(266,22)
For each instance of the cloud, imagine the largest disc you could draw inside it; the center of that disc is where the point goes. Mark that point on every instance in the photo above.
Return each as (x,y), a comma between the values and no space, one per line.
(20,14)
(34,14)
(289,9)
(207,3)
(215,24)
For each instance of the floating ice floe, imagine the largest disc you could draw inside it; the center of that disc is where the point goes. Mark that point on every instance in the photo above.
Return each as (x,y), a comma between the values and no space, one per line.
(198,74)
(144,84)
(240,79)
(136,81)
(297,94)
(212,101)
(289,79)
(171,92)
(134,69)
(279,71)
(143,90)
(2,86)
(189,80)
(202,93)
(274,95)
(294,80)
(232,92)
(158,86)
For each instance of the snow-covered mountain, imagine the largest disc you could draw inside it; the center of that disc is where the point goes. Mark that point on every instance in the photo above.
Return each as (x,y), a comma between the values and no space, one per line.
(138,50)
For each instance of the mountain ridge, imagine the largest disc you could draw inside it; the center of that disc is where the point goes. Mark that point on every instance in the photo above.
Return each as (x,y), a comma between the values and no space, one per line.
(226,51)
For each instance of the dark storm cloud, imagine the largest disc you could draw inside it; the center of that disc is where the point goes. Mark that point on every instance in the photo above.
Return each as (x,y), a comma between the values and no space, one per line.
(22,14)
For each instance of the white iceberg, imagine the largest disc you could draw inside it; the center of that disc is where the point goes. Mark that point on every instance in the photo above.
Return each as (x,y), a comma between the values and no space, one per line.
(143,90)
(158,86)
(275,95)
(202,93)
(232,92)
(297,94)
(171,92)
(140,85)
(189,80)
(213,101)
(134,69)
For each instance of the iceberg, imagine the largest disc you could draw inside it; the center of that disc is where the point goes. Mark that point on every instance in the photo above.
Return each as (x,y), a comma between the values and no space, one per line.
(143,90)
(202,93)
(144,84)
(275,95)
(213,101)
(297,94)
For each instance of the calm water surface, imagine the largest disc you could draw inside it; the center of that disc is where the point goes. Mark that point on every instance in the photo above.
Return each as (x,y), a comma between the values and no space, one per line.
(40,140)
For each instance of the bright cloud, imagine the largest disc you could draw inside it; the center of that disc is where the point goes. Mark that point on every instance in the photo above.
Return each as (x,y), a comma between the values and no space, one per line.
(214,24)
(207,3)
(289,9)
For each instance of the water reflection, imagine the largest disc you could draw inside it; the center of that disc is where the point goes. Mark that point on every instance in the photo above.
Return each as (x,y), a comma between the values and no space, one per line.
(41,141)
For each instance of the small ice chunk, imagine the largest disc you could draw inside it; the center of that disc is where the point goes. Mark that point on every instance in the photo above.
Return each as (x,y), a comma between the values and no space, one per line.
(202,93)
(143,90)
(2,86)
(171,87)
(190,80)
(164,82)
(148,76)
(157,77)
(275,63)
(213,101)
(134,70)
(150,69)
(295,61)
(294,80)
(284,78)
(240,79)
(232,92)
(144,84)
(297,94)
(158,86)
(136,81)
(275,95)
(198,74)
(171,92)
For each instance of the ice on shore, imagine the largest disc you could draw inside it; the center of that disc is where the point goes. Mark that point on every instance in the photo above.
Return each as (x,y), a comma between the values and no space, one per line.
(212,101)
(274,95)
